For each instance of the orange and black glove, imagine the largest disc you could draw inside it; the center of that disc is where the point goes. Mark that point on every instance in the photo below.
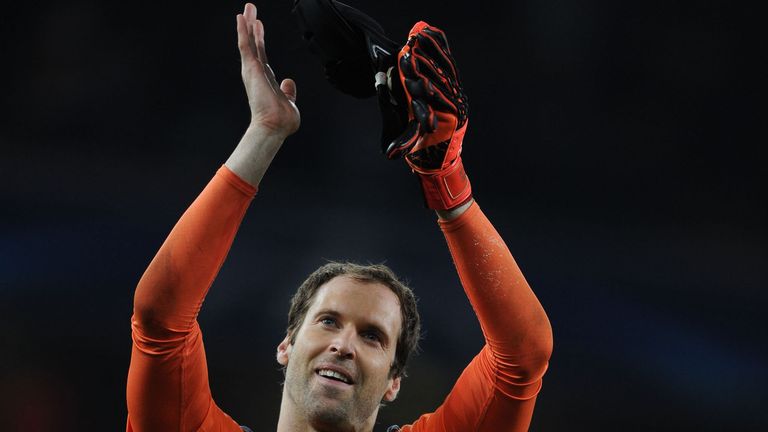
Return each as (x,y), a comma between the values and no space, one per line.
(437,118)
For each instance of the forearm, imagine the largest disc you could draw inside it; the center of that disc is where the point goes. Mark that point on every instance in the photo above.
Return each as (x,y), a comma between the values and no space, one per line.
(513,321)
(254,154)
(170,293)
(175,283)
(497,390)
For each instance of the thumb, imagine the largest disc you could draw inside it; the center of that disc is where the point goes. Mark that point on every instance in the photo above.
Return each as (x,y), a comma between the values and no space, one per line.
(288,87)
(403,143)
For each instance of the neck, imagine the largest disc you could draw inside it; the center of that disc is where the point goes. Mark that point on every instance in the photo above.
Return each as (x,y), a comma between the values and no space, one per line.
(293,419)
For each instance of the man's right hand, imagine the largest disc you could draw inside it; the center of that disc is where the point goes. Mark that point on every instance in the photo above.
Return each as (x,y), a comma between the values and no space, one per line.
(273,106)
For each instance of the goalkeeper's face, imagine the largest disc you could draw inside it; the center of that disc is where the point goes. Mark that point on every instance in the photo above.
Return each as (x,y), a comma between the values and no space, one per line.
(338,370)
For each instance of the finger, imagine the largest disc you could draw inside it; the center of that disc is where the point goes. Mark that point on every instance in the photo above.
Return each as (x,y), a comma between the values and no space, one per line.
(417,68)
(258,32)
(425,70)
(247,53)
(432,51)
(249,12)
(423,82)
(425,115)
(442,94)
(438,36)
(288,87)
(440,102)
(416,87)
(403,143)
(406,66)
(261,53)
(252,41)
(270,75)
(258,35)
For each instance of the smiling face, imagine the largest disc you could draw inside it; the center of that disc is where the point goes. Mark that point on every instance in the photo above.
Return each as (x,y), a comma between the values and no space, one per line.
(338,368)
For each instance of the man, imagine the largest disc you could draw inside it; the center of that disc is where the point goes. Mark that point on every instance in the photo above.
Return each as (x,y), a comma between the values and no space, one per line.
(351,327)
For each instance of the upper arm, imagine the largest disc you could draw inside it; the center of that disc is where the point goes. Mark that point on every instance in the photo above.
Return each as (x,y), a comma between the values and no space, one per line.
(168,386)
(482,400)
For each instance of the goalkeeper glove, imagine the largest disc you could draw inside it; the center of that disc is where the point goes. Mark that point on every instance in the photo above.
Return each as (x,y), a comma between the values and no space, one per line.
(437,118)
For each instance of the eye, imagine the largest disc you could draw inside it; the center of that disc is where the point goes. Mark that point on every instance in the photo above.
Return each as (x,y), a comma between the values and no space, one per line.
(328,321)
(372,336)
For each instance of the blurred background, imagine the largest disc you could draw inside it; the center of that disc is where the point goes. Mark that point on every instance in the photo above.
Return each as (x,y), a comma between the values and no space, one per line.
(613,145)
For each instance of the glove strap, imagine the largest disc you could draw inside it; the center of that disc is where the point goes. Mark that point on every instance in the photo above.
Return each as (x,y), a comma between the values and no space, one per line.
(446,189)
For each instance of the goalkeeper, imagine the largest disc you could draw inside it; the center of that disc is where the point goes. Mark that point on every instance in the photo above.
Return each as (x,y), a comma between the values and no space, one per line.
(350,328)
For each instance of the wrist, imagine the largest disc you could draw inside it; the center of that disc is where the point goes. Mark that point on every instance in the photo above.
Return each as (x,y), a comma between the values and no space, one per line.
(262,133)
(254,153)
(447,215)
(446,189)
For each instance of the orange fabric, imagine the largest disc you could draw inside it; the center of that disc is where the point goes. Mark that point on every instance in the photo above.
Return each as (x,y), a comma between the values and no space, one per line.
(497,390)
(168,378)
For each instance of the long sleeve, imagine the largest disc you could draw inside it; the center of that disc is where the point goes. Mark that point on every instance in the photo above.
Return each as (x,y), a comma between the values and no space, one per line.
(168,377)
(497,390)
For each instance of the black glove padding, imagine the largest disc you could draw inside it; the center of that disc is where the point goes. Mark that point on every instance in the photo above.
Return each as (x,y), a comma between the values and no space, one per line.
(438,106)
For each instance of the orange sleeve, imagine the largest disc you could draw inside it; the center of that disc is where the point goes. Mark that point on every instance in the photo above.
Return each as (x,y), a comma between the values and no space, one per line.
(168,377)
(497,390)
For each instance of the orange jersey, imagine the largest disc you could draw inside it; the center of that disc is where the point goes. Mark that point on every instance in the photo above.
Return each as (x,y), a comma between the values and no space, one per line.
(168,378)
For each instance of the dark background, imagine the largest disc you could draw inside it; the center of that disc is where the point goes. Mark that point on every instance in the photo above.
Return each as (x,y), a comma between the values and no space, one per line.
(613,145)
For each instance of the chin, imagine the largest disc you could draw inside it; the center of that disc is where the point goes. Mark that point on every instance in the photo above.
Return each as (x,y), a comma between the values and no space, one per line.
(325,417)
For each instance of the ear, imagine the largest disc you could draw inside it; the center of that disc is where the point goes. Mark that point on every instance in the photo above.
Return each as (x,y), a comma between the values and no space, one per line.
(392,390)
(284,351)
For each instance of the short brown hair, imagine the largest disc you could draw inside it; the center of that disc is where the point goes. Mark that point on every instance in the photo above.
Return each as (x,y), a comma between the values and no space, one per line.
(410,331)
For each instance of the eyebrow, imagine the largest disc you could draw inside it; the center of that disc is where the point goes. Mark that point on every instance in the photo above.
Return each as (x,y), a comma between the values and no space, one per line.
(369,326)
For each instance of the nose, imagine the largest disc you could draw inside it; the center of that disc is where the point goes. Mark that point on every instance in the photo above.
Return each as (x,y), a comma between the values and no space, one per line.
(343,344)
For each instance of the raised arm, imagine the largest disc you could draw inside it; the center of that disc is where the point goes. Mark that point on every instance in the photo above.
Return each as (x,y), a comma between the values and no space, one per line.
(168,379)
(497,390)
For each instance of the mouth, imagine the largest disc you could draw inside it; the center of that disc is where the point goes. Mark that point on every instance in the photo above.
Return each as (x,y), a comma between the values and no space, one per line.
(335,375)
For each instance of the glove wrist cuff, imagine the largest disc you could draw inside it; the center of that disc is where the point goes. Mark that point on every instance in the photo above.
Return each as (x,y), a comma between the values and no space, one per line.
(446,189)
